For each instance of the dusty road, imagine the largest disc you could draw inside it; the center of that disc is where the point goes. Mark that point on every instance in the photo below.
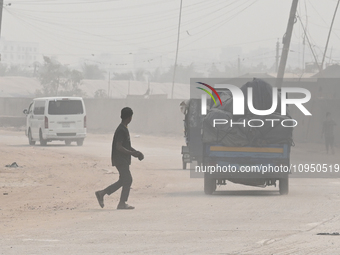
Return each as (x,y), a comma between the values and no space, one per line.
(48,204)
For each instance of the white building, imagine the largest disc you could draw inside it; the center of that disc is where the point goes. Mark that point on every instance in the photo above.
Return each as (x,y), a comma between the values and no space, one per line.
(19,53)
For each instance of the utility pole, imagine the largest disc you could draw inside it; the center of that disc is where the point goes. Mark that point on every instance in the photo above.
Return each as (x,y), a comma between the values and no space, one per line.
(329,35)
(1,7)
(178,33)
(310,46)
(277,55)
(286,43)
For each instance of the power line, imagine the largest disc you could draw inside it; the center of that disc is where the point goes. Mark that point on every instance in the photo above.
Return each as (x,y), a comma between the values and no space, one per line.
(220,24)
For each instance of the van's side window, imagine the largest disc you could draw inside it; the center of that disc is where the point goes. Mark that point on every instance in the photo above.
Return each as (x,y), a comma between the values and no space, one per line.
(39,108)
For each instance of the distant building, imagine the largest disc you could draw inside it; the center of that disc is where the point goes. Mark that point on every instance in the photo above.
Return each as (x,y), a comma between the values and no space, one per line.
(19,53)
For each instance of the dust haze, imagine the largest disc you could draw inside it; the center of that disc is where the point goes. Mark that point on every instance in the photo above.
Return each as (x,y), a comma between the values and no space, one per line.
(164,61)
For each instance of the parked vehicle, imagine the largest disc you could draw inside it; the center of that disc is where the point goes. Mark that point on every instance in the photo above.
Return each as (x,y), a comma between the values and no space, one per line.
(56,119)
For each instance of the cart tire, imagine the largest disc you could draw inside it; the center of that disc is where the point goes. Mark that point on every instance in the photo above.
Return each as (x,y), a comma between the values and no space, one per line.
(284,186)
(209,185)
(184,165)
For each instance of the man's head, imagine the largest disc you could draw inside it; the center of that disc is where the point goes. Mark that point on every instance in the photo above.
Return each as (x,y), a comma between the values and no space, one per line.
(126,114)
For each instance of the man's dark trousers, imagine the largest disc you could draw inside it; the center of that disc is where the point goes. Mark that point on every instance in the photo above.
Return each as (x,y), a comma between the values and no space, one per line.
(125,181)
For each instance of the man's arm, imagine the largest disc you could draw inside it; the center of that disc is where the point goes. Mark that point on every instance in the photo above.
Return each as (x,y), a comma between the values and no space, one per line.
(140,156)
(126,151)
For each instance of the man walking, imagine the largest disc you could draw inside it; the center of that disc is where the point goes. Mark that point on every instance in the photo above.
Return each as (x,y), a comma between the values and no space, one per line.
(121,158)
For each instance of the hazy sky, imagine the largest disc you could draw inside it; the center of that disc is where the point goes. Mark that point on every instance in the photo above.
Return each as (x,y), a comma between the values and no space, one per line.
(76,29)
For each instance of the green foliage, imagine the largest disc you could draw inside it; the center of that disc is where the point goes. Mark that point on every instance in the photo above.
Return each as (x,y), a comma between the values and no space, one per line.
(213,72)
(100,93)
(123,76)
(59,80)
(183,74)
(93,72)
(14,70)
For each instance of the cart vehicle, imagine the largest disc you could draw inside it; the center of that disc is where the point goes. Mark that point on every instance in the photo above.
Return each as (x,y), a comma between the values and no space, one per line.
(253,166)
(249,154)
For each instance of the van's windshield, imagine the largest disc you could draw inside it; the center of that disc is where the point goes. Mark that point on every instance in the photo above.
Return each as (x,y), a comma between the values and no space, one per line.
(65,107)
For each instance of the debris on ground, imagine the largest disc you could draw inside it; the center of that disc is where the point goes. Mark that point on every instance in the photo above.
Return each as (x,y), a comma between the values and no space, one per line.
(14,164)
(108,171)
(329,234)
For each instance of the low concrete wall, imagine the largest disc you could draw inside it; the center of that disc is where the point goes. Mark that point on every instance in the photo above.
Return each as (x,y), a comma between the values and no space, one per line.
(12,121)
(157,116)
(11,106)
(151,116)
(163,116)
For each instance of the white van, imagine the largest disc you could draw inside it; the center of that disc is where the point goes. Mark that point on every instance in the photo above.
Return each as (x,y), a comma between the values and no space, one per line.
(56,119)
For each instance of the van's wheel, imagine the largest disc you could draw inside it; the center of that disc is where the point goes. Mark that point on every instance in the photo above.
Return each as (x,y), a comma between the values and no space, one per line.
(68,142)
(30,139)
(43,142)
(80,142)
(284,186)
(209,185)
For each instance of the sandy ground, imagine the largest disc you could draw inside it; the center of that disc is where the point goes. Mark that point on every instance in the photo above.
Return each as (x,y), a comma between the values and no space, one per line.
(47,205)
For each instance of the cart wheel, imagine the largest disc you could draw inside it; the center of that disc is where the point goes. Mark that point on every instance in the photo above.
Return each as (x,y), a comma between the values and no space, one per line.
(184,165)
(209,185)
(284,186)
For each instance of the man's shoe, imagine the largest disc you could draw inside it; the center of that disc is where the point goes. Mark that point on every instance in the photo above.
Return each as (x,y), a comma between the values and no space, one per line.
(100,198)
(124,206)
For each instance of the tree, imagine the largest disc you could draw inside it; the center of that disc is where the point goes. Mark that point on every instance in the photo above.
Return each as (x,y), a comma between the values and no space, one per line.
(140,75)
(57,79)
(100,93)
(183,74)
(214,72)
(123,76)
(93,72)
(16,70)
